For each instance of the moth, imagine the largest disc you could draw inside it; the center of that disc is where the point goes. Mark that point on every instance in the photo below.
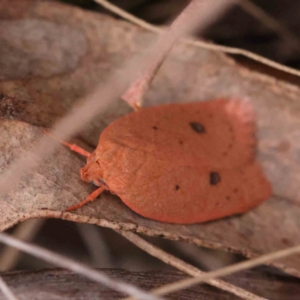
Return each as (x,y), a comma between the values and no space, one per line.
(180,163)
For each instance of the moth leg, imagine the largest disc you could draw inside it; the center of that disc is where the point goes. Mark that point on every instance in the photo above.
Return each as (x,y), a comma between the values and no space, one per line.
(88,199)
(72,147)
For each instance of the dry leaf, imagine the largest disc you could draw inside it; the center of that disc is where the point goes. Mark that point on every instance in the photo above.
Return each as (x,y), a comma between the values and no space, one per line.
(189,74)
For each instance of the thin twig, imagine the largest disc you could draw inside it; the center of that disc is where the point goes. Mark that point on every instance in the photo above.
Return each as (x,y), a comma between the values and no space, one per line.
(25,231)
(79,268)
(129,17)
(6,291)
(198,43)
(185,267)
(183,284)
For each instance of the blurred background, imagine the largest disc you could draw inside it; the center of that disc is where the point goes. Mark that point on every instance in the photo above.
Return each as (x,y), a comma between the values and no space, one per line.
(266,27)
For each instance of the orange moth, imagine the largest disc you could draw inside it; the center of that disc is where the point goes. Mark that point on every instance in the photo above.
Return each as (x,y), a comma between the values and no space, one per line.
(180,163)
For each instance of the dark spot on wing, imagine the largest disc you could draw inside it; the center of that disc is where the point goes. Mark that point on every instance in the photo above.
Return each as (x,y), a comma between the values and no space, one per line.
(154,127)
(197,127)
(214,178)
(177,187)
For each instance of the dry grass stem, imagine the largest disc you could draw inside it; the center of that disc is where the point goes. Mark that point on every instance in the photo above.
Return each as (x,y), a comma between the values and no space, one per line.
(72,265)
(183,284)
(96,245)
(270,22)
(6,291)
(199,43)
(185,267)
(197,15)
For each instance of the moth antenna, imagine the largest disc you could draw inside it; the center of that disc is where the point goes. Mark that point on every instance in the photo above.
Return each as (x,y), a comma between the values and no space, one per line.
(72,147)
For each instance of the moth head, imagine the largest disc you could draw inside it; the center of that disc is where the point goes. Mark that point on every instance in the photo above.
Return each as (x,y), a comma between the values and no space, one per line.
(92,171)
